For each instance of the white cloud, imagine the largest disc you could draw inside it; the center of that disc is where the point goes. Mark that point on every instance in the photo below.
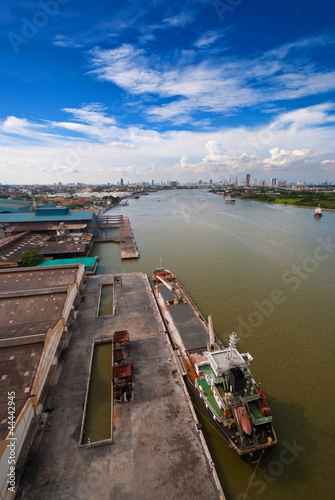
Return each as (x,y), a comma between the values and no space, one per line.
(64,41)
(209,38)
(123,145)
(19,126)
(321,114)
(282,158)
(294,142)
(93,114)
(214,85)
(179,20)
(328,166)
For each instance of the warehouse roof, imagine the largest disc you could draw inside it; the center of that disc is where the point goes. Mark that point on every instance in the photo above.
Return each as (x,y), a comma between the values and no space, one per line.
(31,302)
(89,262)
(15,205)
(52,216)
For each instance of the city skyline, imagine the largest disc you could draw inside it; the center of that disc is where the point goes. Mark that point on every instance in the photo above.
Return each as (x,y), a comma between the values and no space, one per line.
(207,89)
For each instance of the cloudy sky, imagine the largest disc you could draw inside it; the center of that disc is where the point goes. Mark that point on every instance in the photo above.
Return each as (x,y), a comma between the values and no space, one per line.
(92,91)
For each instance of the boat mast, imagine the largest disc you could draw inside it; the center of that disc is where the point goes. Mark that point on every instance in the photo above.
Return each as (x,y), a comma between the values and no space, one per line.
(233,339)
(210,345)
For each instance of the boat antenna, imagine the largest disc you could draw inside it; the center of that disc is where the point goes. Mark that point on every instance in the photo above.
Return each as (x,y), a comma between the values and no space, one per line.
(160,262)
(233,339)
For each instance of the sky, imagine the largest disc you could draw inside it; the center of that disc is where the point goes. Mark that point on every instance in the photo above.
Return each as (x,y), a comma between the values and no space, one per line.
(95,91)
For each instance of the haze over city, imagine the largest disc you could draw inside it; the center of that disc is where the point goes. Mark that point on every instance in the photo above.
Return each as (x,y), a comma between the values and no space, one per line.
(95,91)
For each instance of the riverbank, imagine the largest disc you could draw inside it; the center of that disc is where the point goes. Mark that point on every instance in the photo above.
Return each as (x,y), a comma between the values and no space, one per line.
(304,199)
(289,205)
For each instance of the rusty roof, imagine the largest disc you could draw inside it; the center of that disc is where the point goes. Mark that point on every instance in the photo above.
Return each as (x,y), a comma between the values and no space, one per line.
(121,336)
(122,371)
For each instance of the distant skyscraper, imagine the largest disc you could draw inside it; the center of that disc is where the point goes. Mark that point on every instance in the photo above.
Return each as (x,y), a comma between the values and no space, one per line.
(247,179)
(121,182)
(273,181)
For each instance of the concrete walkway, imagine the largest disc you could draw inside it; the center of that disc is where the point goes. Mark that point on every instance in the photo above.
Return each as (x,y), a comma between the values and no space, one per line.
(157,452)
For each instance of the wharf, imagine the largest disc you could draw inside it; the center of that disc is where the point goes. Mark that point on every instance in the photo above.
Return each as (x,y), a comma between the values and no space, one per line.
(157,450)
(128,248)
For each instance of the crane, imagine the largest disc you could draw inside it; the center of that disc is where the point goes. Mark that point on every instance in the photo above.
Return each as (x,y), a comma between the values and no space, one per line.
(211,343)
(173,290)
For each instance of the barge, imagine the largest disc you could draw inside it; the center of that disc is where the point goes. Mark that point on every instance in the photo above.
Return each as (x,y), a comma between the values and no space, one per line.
(219,377)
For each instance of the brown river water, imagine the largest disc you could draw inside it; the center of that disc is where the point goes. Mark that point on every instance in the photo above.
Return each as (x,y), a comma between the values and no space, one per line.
(267,272)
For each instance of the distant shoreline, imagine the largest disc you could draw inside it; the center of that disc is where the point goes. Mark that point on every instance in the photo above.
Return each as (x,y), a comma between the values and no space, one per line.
(287,204)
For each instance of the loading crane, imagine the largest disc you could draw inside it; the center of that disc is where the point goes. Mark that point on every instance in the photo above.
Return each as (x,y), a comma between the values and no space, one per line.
(176,293)
(211,343)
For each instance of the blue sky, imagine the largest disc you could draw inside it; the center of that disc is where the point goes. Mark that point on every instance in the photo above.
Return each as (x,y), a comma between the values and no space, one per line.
(95,91)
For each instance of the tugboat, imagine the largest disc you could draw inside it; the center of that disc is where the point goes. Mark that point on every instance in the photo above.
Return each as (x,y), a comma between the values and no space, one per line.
(230,200)
(318,212)
(219,377)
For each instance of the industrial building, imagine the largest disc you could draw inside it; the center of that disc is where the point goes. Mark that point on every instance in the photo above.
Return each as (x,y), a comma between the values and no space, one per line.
(54,232)
(37,305)
(30,221)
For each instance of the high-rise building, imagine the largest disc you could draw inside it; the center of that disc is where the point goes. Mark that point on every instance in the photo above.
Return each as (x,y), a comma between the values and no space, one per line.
(121,182)
(247,179)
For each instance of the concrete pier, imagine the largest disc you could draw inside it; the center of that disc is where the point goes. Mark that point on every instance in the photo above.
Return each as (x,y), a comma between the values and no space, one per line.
(128,248)
(157,451)
(127,241)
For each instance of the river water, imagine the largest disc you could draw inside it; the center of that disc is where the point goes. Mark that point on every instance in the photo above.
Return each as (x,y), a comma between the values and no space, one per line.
(267,272)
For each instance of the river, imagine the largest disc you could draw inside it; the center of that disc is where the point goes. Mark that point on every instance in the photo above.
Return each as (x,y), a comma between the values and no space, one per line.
(267,272)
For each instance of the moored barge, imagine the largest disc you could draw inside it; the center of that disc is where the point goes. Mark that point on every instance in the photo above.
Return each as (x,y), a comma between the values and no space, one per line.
(220,377)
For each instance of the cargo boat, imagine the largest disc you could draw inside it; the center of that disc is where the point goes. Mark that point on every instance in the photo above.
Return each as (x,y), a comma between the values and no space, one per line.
(219,377)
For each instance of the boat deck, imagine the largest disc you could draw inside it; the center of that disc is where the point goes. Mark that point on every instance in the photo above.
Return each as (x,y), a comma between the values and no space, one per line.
(224,387)
(211,399)
(191,328)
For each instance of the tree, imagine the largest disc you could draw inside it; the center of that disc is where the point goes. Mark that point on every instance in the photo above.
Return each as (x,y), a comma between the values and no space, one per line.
(30,259)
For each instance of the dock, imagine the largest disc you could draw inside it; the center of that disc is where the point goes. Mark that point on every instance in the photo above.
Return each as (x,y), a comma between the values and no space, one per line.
(157,449)
(128,248)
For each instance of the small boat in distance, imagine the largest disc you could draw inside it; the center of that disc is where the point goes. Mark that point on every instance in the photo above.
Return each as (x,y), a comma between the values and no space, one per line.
(318,211)
(230,200)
